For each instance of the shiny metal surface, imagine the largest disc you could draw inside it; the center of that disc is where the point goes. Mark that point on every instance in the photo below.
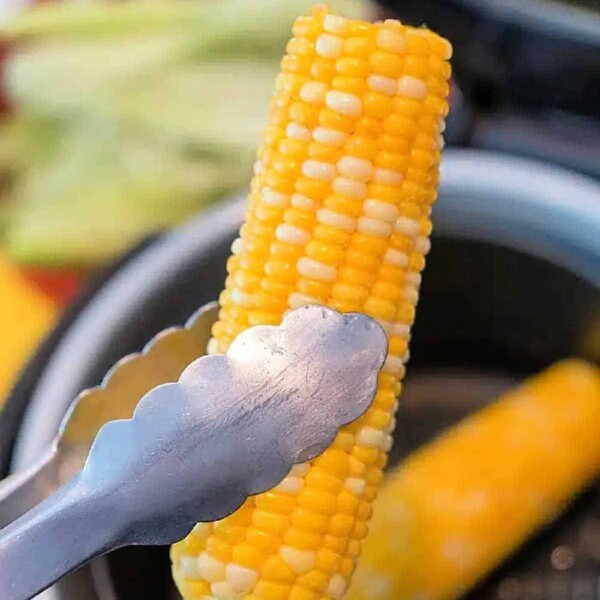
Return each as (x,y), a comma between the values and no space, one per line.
(162,361)
(232,426)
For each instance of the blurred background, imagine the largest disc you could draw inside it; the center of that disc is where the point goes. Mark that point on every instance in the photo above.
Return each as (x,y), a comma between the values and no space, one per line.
(122,121)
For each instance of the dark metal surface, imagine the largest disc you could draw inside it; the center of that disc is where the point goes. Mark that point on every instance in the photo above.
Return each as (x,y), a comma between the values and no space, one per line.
(232,426)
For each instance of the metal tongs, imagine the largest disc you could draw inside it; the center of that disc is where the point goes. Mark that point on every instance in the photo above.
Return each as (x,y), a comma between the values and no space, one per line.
(227,427)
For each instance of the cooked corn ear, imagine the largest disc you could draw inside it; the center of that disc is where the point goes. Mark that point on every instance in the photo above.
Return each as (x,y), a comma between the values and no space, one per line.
(460,505)
(339,215)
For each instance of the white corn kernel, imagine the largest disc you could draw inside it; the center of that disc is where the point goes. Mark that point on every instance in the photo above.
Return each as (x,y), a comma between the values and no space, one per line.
(296,300)
(335,24)
(299,561)
(316,169)
(290,485)
(393,365)
(422,245)
(258,167)
(387,177)
(223,591)
(344,186)
(202,530)
(369,437)
(412,87)
(383,85)
(346,104)
(413,278)
(188,566)
(401,329)
(300,470)
(292,235)
(407,226)
(337,587)
(332,218)
(213,346)
(355,485)
(300,201)
(273,198)
(355,168)
(314,269)
(389,428)
(237,247)
(240,298)
(329,46)
(384,211)
(439,142)
(392,41)
(373,227)
(210,568)
(385,325)
(313,92)
(330,137)
(240,579)
(411,295)
(388,442)
(297,131)
(395,258)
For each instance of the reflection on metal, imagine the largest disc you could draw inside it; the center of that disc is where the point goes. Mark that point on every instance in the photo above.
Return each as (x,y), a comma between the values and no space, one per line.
(231,426)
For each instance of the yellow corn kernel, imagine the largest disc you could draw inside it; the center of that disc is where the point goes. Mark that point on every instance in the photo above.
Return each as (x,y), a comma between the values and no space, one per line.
(247,555)
(435,529)
(270,522)
(219,549)
(276,570)
(339,215)
(361,147)
(301,593)
(302,540)
(386,64)
(353,67)
(359,46)
(261,539)
(368,125)
(310,521)
(269,590)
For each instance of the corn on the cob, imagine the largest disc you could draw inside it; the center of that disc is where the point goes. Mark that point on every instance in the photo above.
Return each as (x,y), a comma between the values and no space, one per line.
(457,507)
(339,214)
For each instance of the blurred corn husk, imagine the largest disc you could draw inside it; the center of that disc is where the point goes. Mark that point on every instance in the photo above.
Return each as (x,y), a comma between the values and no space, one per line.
(129,117)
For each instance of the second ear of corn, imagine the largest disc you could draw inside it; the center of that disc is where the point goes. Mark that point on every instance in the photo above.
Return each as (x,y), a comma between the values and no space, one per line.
(339,215)
(460,505)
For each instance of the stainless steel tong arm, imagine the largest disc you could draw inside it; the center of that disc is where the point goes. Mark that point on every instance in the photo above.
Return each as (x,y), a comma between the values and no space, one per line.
(232,426)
